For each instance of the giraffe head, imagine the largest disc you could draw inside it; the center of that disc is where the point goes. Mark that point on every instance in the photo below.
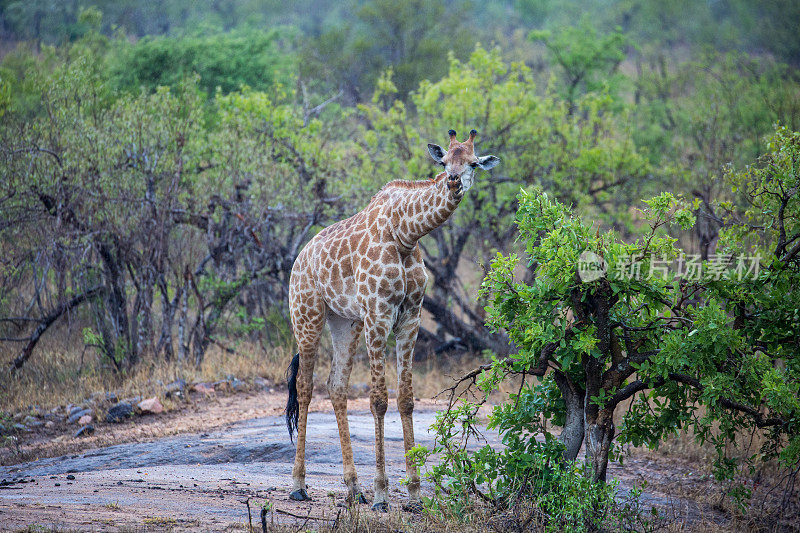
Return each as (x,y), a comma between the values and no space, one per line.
(460,160)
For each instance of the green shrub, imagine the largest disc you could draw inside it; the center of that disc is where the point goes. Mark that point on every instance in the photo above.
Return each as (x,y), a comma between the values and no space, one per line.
(224,61)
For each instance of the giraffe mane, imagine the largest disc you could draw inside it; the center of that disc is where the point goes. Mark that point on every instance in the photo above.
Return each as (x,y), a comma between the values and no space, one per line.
(408,184)
(404,185)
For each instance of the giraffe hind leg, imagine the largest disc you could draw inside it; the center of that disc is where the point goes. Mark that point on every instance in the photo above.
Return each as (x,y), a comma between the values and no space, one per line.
(293,415)
(307,329)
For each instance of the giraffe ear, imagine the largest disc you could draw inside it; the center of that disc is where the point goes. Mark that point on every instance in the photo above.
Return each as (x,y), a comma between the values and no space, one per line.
(488,161)
(436,151)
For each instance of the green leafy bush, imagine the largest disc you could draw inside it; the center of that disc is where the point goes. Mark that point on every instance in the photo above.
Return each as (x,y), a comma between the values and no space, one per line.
(224,61)
(712,348)
(528,474)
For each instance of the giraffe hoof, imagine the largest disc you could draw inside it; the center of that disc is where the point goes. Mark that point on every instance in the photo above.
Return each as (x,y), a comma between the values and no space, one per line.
(381,506)
(413,507)
(353,499)
(299,495)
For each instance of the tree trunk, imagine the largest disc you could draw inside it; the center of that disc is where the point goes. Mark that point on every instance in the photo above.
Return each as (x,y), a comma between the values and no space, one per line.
(598,423)
(199,344)
(183,348)
(599,436)
(144,321)
(116,309)
(167,317)
(572,433)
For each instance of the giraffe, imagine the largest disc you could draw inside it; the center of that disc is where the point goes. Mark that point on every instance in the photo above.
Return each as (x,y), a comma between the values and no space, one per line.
(366,274)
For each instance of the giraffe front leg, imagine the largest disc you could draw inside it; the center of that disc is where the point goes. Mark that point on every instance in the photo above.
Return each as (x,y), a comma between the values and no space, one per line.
(406,337)
(345,334)
(376,331)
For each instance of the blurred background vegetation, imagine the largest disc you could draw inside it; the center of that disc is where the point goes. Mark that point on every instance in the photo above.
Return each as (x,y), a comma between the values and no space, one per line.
(164,162)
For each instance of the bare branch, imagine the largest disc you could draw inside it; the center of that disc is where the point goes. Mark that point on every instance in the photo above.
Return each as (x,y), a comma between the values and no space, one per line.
(542,364)
(48,321)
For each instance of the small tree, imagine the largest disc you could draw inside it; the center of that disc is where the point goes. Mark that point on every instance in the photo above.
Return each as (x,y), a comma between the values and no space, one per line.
(587,61)
(712,348)
(586,158)
(138,203)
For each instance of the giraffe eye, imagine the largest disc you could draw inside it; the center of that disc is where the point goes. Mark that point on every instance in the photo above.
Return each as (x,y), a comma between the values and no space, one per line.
(474,164)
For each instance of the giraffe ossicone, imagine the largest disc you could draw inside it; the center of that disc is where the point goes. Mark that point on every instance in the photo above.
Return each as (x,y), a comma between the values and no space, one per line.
(366,274)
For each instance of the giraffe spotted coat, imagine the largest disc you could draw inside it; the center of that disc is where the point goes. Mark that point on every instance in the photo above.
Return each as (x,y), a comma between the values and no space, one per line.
(366,274)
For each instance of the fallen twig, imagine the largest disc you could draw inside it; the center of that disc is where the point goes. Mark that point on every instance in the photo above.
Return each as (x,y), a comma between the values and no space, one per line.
(307,517)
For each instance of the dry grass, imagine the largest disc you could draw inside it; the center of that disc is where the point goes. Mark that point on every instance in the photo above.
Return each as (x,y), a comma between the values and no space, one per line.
(360,519)
(60,374)
(60,377)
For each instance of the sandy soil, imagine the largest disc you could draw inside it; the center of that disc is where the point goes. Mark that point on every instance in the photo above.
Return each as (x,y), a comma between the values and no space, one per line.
(196,468)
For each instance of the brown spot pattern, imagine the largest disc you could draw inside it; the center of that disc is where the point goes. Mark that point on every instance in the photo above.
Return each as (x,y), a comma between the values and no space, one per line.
(366,274)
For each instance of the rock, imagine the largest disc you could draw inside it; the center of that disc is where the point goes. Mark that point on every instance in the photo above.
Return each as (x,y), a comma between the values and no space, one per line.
(85,431)
(119,412)
(32,422)
(151,406)
(77,415)
(176,388)
(237,384)
(21,427)
(222,385)
(49,424)
(111,397)
(71,477)
(205,388)
(85,420)
(74,409)
(260,383)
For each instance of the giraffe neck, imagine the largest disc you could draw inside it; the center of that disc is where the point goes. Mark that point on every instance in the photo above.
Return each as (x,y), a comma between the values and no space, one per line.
(423,210)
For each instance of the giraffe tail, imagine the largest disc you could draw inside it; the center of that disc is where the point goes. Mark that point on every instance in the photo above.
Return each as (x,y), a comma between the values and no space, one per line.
(292,407)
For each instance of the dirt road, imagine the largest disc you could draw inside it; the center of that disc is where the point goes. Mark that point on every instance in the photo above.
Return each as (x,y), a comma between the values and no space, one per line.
(201,481)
